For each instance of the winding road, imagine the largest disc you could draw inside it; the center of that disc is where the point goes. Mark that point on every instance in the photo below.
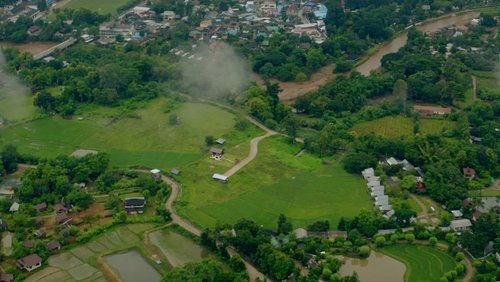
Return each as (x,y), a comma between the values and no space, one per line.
(254,147)
(254,273)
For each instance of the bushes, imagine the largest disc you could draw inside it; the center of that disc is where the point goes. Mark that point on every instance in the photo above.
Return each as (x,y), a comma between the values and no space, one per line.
(364,251)
(343,66)
(410,238)
(380,241)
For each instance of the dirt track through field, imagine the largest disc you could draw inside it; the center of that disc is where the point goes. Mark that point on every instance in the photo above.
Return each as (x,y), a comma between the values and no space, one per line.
(254,148)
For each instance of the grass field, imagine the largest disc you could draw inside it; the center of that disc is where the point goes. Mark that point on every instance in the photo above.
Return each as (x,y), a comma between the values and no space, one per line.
(423,263)
(276,182)
(488,81)
(143,137)
(397,126)
(100,6)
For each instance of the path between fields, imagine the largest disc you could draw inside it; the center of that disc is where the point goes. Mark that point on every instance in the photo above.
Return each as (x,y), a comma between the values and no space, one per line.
(254,147)
(474,88)
(254,274)
(424,214)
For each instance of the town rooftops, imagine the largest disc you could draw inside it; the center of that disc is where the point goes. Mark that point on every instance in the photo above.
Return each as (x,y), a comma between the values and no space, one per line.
(469,172)
(14,207)
(488,203)
(155,171)
(392,161)
(216,151)
(41,207)
(220,141)
(135,201)
(135,204)
(460,224)
(457,213)
(220,177)
(175,171)
(373,183)
(30,261)
(432,110)
(377,188)
(59,208)
(54,245)
(29,244)
(6,277)
(300,233)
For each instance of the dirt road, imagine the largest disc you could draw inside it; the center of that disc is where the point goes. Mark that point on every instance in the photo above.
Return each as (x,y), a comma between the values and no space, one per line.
(292,90)
(424,214)
(474,88)
(169,205)
(254,148)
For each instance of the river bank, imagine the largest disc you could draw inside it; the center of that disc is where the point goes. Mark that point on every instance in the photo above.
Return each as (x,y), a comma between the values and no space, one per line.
(292,90)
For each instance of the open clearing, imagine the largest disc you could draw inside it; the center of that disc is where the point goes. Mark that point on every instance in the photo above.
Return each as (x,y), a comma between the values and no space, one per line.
(81,263)
(276,182)
(423,263)
(100,6)
(397,126)
(143,137)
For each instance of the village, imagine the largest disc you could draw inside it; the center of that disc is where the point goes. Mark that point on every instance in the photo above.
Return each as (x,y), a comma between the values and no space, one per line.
(146,164)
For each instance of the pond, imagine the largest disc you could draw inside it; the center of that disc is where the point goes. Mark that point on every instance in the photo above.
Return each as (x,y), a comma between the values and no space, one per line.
(132,267)
(377,267)
(178,249)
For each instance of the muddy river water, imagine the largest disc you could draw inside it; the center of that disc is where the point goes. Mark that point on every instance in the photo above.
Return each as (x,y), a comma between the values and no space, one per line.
(395,44)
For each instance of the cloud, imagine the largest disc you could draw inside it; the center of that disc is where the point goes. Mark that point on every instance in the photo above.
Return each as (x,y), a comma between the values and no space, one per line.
(220,73)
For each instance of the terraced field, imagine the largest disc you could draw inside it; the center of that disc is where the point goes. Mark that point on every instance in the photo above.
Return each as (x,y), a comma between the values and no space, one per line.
(82,263)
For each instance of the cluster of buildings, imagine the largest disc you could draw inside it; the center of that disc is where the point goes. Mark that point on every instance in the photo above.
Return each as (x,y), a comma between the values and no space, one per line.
(377,191)
(253,21)
(27,8)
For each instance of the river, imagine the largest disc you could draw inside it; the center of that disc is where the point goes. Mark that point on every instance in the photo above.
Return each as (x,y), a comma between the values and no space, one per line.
(377,267)
(395,44)
(293,90)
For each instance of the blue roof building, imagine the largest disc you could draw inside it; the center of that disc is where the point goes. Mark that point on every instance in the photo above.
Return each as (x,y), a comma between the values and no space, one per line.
(320,12)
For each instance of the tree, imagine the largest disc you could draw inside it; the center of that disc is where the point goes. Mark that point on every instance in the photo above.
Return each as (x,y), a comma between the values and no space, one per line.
(207,270)
(488,20)
(409,182)
(80,198)
(10,158)
(237,264)
(284,225)
(356,161)
(403,214)
(120,217)
(319,226)
(113,202)
(343,66)
(209,140)
(433,241)
(41,5)
(366,223)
